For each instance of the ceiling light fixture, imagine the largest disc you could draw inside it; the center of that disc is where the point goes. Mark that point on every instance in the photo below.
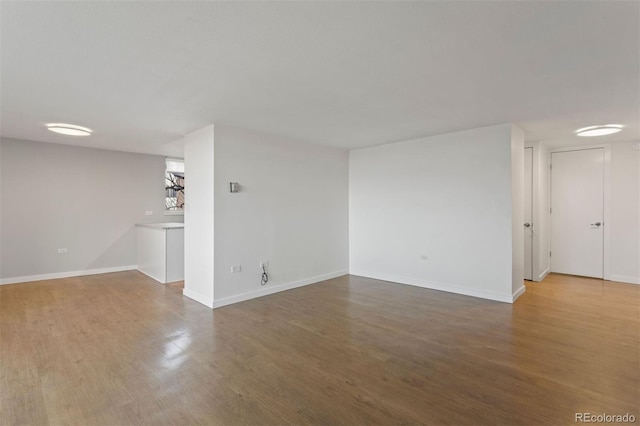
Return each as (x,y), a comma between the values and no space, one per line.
(602,130)
(69,129)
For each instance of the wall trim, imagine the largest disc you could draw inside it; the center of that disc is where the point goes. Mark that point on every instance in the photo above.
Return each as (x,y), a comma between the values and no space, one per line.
(535,199)
(519,292)
(543,275)
(153,278)
(623,279)
(206,301)
(69,274)
(499,297)
(276,289)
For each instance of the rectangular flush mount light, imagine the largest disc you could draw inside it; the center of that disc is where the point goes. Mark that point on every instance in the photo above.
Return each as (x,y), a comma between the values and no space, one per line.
(234,187)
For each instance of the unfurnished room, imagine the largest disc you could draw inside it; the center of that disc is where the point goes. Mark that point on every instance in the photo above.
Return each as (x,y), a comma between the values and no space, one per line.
(319,212)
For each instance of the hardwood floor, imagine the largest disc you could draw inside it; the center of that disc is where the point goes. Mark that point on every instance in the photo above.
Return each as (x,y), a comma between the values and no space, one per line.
(120,349)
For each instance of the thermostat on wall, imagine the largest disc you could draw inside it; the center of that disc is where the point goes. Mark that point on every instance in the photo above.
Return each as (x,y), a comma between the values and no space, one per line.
(636,145)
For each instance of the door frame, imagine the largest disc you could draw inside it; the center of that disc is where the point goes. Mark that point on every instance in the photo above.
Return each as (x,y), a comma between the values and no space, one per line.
(606,245)
(540,217)
(534,193)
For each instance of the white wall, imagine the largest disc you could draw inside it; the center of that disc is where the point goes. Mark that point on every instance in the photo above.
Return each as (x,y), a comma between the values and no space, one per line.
(292,210)
(622,202)
(85,200)
(446,197)
(198,216)
(625,213)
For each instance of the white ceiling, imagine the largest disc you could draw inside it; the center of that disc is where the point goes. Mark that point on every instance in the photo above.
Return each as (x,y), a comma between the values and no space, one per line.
(347,74)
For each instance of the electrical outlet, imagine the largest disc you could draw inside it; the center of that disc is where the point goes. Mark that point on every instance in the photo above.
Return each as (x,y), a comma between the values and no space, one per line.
(236,268)
(62,251)
(149,213)
(264,264)
(424,257)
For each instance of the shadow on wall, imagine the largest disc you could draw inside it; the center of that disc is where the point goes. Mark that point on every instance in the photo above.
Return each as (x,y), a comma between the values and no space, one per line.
(120,252)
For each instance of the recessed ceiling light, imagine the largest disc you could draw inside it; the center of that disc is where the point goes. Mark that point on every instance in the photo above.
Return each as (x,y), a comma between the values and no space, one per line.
(606,129)
(69,129)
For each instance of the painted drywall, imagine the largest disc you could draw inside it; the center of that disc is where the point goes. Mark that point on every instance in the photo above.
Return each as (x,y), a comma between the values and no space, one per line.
(84,200)
(622,209)
(438,212)
(291,210)
(199,215)
(625,213)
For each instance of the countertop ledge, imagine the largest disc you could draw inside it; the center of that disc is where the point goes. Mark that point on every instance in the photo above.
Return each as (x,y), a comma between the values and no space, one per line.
(164,225)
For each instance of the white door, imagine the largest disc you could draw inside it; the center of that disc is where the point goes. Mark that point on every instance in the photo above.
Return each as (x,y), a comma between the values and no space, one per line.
(528,214)
(577,212)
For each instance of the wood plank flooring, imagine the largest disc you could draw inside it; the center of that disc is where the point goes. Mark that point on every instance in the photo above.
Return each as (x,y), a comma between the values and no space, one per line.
(120,349)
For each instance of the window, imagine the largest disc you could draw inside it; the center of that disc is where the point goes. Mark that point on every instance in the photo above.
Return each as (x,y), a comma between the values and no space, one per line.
(174,186)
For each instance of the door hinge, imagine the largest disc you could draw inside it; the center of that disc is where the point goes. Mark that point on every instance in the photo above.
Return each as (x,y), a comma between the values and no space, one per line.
(549,210)
(549,254)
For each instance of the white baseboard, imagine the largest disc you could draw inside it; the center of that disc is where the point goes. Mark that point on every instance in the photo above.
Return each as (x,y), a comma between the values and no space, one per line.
(206,301)
(276,289)
(519,292)
(507,298)
(623,279)
(543,275)
(150,276)
(69,274)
